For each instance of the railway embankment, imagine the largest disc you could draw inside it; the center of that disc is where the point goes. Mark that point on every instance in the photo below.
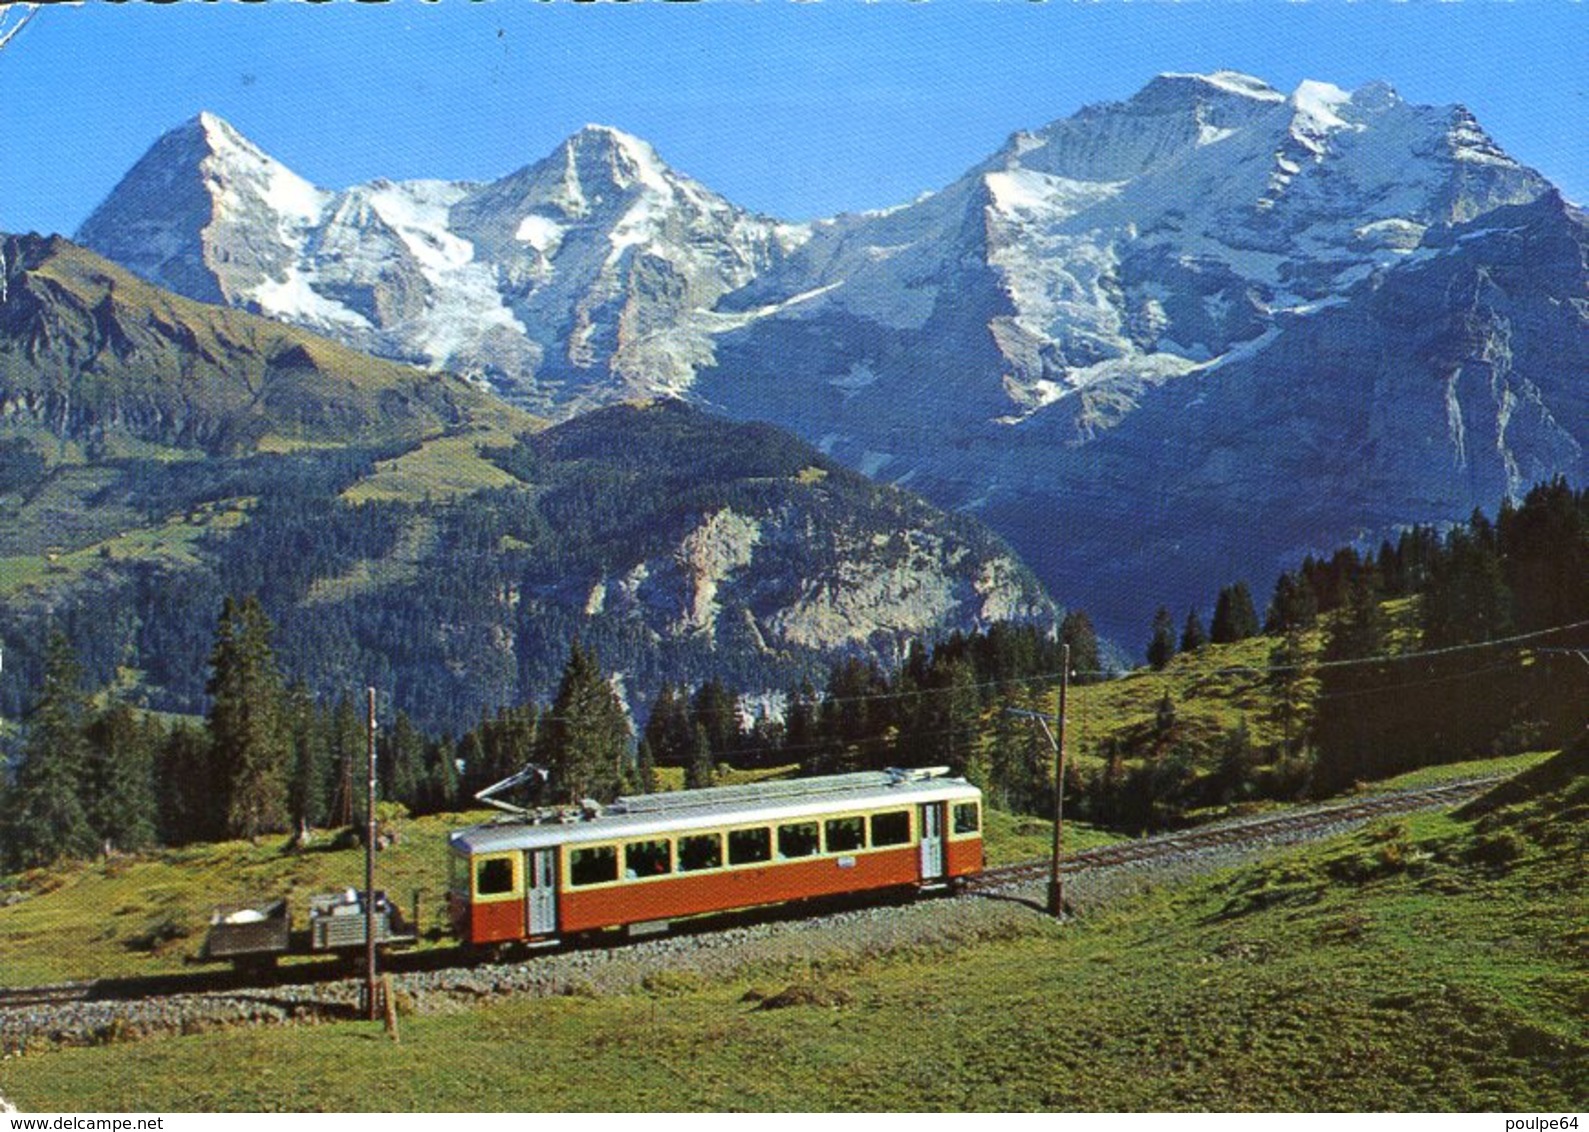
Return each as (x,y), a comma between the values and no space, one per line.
(1008,903)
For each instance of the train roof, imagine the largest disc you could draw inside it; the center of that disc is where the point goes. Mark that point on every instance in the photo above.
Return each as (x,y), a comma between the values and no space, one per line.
(679,811)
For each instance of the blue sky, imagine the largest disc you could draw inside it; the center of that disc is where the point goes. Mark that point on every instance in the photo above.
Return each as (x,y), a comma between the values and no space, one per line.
(794,109)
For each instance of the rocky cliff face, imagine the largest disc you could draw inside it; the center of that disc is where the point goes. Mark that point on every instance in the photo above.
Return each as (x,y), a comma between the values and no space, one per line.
(754,542)
(1453,381)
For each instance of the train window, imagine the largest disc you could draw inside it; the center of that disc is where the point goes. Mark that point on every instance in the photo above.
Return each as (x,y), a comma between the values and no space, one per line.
(647,859)
(592,866)
(493,876)
(798,840)
(700,851)
(892,828)
(747,846)
(966,817)
(845,834)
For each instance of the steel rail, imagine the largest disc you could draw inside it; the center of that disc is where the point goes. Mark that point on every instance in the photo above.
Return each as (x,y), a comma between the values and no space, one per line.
(1233,833)
(54,994)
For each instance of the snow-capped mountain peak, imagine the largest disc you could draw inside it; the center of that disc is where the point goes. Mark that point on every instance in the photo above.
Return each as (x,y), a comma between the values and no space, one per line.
(202,191)
(236,170)
(627,159)
(1172,226)
(1321,104)
(1227,82)
(597,166)
(218,131)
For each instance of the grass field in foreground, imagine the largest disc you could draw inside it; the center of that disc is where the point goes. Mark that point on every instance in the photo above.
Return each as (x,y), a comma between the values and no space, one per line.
(1430,964)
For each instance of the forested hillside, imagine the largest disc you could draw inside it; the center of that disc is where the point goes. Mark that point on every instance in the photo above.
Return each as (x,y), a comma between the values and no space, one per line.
(681,547)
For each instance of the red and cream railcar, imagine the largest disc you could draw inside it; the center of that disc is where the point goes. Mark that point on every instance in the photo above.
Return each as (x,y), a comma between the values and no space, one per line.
(657,857)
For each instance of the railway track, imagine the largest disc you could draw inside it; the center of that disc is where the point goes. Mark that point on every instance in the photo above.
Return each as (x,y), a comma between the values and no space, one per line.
(1236,832)
(56,994)
(25,1000)
(131,989)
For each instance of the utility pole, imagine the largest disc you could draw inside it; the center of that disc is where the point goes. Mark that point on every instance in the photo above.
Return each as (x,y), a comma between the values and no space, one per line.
(1056,739)
(369,877)
(1056,883)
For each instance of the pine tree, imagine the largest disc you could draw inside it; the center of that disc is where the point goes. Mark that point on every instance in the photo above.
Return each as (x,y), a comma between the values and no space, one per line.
(1077,632)
(189,807)
(765,740)
(803,740)
(247,723)
(508,742)
(1019,760)
(1350,721)
(1193,635)
(306,788)
(646,769)
(1466,599)
(1233,778)
(45,817)
(587,738)
(669,732)
(439,789)
(1288,680)
(1545,547)
(852,715)
(1107,802)
(349,751)
(717,710)
(1161,649)
(699,771)
(472,754)
(1234,617)
(1164,721)
(943,727)
(120,783)
(1293,605)
(1392,575)
(401,758)
(1359,630)
(1416,551)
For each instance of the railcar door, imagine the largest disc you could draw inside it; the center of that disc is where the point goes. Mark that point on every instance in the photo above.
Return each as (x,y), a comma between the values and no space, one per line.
(540,896)
(930,820)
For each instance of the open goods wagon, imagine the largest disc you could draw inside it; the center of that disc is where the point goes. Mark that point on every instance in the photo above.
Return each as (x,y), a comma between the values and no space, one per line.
(258,935)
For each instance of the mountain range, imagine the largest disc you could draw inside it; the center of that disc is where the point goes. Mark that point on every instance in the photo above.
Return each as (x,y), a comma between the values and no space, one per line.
(1158,345)
(406,529)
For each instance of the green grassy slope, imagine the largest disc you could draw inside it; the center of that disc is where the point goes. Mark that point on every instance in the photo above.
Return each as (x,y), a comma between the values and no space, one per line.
(87,348)
(1213,689)
(1434,964)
